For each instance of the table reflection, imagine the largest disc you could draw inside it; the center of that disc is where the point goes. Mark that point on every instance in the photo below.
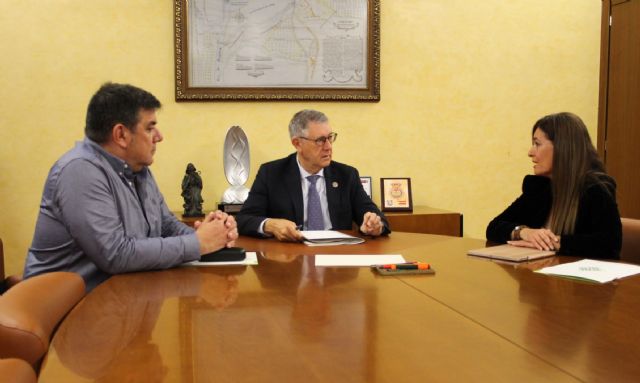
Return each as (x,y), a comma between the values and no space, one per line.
(564,313)
(285,320)
(308,287)
(111,329)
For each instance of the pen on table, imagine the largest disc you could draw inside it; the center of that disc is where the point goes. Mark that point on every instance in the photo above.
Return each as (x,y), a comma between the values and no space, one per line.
(399,263)
(407,266)
(403,263)
(415,266)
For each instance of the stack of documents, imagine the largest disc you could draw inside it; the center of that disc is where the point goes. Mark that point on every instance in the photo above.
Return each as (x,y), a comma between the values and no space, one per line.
(328,238)
(590,270)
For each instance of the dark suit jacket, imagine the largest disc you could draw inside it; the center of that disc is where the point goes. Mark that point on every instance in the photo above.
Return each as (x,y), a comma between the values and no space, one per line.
(276,193)
(598,231)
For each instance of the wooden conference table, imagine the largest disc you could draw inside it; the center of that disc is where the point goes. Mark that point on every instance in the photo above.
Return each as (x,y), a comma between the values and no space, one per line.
(287,321)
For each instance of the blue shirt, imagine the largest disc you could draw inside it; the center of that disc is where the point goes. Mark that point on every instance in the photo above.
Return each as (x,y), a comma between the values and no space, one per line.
(97,218)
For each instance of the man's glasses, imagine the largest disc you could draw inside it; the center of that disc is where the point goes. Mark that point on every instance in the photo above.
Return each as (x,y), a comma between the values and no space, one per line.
(320,141)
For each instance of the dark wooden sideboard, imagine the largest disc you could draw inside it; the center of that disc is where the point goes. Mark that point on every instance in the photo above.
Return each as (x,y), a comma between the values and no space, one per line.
(426,220)
(423,219)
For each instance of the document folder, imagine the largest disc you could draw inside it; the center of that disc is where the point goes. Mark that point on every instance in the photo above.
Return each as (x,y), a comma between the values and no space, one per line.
(511,253)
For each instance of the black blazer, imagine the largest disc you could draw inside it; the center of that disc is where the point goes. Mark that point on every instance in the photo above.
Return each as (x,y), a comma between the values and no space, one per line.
(598,230)
(276,193)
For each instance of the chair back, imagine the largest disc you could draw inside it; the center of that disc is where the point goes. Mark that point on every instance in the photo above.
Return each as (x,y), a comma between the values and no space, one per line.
(630,240)
(31,310)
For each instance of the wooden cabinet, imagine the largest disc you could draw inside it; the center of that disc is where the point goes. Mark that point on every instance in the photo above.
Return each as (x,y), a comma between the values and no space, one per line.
(619,107)
(426,220)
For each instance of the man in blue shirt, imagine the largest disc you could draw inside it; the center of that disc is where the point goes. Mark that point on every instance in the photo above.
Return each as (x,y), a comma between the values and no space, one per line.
(102,212)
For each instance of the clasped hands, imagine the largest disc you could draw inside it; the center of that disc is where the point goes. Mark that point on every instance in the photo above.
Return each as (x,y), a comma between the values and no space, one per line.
(215,231)
(541,239)
(285,230)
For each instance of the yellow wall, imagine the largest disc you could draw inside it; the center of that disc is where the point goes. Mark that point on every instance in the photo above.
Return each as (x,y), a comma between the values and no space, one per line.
(462,83)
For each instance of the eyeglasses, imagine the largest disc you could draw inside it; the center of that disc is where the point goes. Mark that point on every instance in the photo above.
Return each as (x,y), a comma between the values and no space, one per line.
(320,141)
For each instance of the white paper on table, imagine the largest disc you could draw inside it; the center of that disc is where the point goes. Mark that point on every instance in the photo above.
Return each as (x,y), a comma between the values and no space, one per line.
(250,259)
(589,269)
(357,259)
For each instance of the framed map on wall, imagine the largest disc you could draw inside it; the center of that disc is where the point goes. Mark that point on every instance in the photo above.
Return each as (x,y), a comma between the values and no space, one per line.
(277,50)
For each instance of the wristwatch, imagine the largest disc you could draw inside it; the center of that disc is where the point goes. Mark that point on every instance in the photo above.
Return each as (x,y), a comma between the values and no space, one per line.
(515,234)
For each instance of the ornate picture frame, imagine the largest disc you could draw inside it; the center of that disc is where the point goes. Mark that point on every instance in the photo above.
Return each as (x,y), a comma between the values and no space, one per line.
(330,51)
(395,194)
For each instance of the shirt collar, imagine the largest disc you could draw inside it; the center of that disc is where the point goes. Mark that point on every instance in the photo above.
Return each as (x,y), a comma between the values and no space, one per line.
(304,174)
(118,164)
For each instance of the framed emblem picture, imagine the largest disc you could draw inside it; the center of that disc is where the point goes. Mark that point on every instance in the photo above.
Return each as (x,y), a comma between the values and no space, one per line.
(396,194)
(366,185)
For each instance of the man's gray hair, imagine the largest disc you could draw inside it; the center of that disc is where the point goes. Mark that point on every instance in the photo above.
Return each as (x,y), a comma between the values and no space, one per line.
(298,125)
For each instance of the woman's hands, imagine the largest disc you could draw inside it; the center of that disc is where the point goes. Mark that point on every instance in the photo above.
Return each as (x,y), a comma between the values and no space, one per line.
(541,239)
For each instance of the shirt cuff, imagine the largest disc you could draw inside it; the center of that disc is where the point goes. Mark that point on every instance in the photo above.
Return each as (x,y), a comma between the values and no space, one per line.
(261,229)
(191,247)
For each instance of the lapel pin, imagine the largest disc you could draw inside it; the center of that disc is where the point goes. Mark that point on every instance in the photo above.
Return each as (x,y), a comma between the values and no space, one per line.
(334,184)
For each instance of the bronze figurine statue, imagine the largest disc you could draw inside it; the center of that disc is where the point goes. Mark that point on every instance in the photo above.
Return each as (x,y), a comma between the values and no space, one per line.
(192,192)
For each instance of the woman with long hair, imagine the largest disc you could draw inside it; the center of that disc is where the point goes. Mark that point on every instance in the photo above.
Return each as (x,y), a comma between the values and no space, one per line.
(569,205)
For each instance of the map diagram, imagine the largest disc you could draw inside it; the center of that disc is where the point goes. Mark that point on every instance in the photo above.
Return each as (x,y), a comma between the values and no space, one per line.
(278,43)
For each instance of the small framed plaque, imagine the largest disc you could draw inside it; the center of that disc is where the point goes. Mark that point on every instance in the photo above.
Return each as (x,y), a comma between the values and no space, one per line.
(396,194)
(366,185)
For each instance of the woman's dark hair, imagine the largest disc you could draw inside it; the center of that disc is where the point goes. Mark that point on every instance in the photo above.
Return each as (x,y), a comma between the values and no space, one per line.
(576,165)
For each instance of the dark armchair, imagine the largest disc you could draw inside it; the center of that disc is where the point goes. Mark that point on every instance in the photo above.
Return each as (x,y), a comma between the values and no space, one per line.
(630,240)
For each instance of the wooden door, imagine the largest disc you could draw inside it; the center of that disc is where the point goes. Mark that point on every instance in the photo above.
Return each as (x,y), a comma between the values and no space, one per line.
(619,112)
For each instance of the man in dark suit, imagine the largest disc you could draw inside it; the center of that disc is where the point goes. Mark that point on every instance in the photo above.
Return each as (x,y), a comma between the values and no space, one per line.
(308,190)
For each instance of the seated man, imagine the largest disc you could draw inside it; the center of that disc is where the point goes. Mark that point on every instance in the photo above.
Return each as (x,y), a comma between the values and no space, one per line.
(308,190)
(102,212)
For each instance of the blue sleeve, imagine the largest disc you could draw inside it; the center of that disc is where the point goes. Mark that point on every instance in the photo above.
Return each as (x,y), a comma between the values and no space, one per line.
(88,204)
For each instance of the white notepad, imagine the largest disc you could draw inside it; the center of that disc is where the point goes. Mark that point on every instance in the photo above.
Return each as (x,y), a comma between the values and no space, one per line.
(357,259)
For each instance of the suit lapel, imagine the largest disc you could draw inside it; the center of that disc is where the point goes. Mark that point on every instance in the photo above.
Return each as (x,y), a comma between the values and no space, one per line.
(294,188)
